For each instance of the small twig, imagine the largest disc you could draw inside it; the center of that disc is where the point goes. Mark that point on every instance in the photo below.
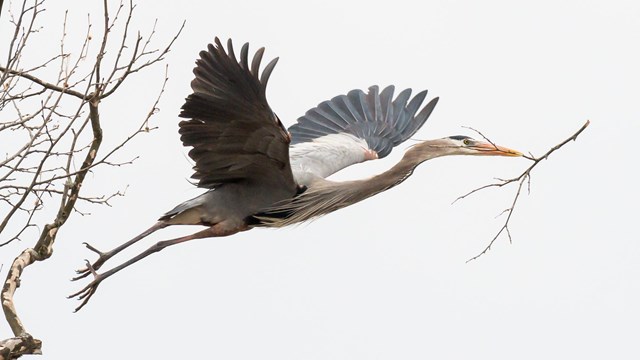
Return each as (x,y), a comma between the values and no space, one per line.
(505,225)
(525,176)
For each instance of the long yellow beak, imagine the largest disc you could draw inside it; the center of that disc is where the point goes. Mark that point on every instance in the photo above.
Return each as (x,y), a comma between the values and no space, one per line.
(489,149)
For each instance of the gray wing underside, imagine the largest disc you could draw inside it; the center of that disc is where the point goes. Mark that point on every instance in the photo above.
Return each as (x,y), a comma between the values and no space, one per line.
(375,117)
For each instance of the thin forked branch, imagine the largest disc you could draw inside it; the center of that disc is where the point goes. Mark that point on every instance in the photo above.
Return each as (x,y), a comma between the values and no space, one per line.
(524,177)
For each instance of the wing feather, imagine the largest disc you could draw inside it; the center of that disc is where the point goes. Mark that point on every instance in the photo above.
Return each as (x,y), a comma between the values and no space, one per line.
(377,118)
(374,119)
(234,134)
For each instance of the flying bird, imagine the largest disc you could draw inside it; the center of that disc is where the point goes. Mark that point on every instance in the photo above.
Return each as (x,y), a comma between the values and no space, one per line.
(257,173)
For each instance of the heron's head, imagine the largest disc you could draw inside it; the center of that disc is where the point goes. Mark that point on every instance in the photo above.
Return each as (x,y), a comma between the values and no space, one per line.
(457,145)
(464,145)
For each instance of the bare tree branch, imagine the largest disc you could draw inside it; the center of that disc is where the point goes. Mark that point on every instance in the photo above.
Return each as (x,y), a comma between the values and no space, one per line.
(525,176)
(55,132)
(42,83)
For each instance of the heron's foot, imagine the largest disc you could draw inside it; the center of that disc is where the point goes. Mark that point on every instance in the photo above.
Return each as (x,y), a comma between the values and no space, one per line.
(91,268)
(87,292)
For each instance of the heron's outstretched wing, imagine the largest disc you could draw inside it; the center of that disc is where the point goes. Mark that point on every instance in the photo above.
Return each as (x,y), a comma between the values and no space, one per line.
(355,127)
(234,133)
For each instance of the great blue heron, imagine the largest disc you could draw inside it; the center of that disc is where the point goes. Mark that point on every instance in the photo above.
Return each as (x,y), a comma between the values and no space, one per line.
(258,174)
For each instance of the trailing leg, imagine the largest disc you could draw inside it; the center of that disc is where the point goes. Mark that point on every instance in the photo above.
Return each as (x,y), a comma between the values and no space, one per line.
(87,292)
(104,256)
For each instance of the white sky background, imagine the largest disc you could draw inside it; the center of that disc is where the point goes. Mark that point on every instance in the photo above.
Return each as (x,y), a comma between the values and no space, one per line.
(386,278)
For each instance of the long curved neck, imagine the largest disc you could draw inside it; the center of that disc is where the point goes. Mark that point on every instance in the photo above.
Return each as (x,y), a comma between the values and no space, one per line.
(415,156)
(324,196)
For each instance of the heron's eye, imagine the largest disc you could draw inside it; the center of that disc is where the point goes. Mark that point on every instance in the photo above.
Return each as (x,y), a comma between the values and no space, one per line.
(466,142)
